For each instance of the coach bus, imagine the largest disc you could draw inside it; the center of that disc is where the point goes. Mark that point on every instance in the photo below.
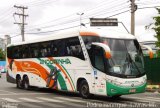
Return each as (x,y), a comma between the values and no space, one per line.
(91,61)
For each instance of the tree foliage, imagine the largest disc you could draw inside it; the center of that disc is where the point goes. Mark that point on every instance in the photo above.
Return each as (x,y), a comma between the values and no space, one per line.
(2,54)
(156,27)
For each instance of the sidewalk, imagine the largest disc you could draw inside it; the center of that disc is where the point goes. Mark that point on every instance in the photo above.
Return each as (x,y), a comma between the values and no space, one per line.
(153,88)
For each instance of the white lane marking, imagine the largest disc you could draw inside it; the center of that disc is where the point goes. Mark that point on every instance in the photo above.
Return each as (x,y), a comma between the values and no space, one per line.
(29,105)
(7,91)
(134,101)
(68,102)
(10,100)
(68,99)
(24,94)
(49,99)
(52,105)
(30,100)
(144,99)
(153,98)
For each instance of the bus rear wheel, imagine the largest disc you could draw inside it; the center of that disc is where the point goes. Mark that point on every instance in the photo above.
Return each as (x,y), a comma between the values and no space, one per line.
(18,82)
(84,90)
(26,85)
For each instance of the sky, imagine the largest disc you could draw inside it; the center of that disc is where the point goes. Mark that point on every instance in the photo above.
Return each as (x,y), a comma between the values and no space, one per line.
(48,16)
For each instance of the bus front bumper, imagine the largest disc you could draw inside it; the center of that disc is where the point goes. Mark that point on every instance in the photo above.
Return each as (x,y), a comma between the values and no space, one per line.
(113,90)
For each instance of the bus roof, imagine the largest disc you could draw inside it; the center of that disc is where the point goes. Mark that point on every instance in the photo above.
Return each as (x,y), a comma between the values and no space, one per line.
(108,33)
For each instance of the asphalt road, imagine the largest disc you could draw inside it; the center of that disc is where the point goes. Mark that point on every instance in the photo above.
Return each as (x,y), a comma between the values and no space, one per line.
(11,97)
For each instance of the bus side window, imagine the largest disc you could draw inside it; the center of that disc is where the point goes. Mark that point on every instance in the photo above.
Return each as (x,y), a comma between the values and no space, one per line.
(9,52)
(74,48)
(97,58)
(33,49)
(16,52)
(24,50)
(54,50)
(61,47)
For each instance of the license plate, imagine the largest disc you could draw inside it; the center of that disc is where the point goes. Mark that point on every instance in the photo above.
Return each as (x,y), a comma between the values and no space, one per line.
(132,90)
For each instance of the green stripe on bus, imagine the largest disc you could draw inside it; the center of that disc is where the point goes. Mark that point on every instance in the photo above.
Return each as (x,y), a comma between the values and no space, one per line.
(69,76)
(62,82)
(60,78)
(113,90)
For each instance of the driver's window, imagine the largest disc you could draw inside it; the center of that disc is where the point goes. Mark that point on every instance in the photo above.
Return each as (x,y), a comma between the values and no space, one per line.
(98,58)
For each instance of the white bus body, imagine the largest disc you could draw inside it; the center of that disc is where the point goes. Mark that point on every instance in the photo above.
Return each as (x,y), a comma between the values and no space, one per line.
(75,61)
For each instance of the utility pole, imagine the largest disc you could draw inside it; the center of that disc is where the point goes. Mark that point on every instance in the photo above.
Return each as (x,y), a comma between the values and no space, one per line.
(80,19)
(23,15)
(133,9)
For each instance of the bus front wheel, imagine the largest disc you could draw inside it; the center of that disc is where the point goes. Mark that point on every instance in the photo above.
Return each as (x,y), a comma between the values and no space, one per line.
(116,97)
(84,89)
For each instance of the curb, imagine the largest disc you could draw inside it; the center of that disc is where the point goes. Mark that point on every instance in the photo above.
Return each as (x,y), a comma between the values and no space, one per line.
(153,88)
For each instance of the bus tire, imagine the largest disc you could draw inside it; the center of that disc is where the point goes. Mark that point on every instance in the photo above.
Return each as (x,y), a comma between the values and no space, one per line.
(26,85)
(18,82)
(116,97)
(84,90)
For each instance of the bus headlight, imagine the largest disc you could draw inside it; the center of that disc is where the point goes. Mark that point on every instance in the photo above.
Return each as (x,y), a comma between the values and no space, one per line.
(113,90)
(116,82)
(144,79)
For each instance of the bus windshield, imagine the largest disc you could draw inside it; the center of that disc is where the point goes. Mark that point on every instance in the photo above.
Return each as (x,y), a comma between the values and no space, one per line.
(127,58)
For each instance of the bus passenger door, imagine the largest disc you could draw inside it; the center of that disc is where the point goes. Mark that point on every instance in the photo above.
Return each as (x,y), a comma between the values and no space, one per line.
(99,70)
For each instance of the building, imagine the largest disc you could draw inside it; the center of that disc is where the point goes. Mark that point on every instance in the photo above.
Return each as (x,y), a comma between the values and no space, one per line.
(2,44)
(5,41)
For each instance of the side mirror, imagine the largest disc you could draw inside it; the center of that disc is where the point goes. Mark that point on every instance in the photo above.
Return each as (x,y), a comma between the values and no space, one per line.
(150,51)
(105,47)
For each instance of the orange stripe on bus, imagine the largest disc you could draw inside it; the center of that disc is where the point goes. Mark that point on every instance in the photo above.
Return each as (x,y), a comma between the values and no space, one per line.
(51,83)
(32,67)
(88,34)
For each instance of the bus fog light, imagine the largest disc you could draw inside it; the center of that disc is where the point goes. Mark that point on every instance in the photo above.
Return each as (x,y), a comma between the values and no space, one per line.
(113,90)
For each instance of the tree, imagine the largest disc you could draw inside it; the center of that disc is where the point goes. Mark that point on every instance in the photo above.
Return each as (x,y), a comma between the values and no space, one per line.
(2,54)
(156,27)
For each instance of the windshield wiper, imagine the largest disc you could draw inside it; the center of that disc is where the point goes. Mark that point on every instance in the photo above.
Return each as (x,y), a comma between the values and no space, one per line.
(131,61)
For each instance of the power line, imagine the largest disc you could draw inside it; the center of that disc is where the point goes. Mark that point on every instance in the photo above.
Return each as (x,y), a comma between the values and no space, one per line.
(53,30)
(101,3)
(106,12)
(148,7)
(13,36)
(147,2)
(118,13)
(6,11)
(66,27)
(73,26)
(111,5)
(74,20)
(6,14)
(36,1)
(43,3)
(88,23)
(71,21)
(49,22)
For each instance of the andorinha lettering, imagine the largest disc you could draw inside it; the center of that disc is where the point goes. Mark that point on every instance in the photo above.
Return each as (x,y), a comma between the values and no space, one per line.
(55,61)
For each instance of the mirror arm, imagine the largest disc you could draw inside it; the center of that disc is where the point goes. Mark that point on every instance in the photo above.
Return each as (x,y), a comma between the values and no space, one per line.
(105,47)
(149,49)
